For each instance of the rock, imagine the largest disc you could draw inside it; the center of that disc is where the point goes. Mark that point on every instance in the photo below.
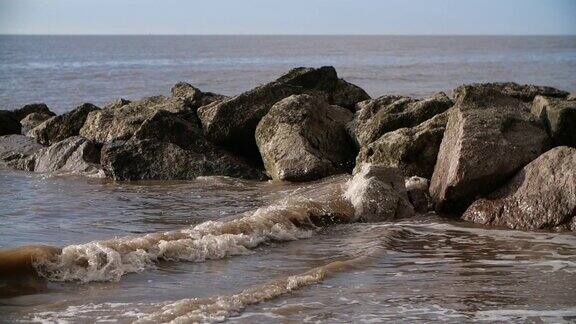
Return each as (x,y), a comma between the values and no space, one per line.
(303,138)
(347,95)
(233,122)
(378,194)
(120,102)
(193,97)
(72,155)
(541,196)
(417,189)
(389,113)
(411,149)
(572,96)
(63,126)
(26,110)
(164,126)
(32,120)
(526,92)
(15,149)
(120,123)
(153,160)
(488,138)
(8,123)
(559,118)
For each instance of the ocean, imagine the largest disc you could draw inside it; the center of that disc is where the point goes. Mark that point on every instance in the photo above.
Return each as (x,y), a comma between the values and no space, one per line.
(428,269)
(65,71)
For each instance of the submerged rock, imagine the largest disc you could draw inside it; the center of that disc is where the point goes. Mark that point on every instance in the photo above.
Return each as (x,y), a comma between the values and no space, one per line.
(63,126)
(32,120)
(488,138)
(40,108)
(388,113)
(378,193)
(541,196)
(193,97)
(304,138)
(72,155)
(559,118)
(8,123)
(418,196)
(233,122)
(525,92)
(153,160)
(120,123)
(15,149)
(411,149)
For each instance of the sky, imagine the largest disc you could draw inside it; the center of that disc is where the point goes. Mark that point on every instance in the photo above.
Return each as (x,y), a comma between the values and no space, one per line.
(395,17)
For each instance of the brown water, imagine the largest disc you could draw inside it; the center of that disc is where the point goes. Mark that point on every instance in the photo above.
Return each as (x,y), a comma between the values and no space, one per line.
(206,264)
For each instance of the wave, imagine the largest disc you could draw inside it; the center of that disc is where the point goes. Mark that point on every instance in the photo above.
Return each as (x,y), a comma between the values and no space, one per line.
(294,217)
(219,308)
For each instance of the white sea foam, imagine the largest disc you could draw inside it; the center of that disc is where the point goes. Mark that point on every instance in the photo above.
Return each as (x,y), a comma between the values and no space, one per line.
(295,217)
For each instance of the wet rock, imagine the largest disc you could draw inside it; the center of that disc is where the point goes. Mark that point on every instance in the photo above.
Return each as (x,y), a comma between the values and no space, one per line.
(120,102)
(26,110)
(120,123)
(417,189)
(8,123)
(15,150)
(347,95)
(233,122)
(164,126)
(411,149)
(153,160)
(525,92)
(72,155)
(488,138)
(63,126)
(388,113)
(559,118)
(32,120)
(304,138)
(193,97)
(378,193)
(541,196)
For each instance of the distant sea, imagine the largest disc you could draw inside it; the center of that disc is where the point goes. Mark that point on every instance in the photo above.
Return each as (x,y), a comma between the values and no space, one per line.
(64,71)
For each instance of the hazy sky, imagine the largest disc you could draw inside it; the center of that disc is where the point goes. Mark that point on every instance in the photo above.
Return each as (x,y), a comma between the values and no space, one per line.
(288,17)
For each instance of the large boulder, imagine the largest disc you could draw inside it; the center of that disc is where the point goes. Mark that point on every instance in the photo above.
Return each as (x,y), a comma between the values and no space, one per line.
(32,120)
(523,92)
(378,193)
(559,118)
(15,149)
(28,109)
(541,196)
(121,122)
(63,126)
(194,97)
(413,150)
(488,138)
(153,160)
(233,122)
(9,124)
(167,147)
(304,138)
(347,95)
(388,113)
(72,155)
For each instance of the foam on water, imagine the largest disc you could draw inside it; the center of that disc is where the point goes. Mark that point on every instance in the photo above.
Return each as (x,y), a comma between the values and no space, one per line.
(292,218)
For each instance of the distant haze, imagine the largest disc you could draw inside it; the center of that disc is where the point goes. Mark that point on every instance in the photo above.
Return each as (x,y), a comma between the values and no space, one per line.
(402,17)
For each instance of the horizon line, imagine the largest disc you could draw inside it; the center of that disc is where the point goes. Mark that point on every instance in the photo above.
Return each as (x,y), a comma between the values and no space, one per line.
(246,34)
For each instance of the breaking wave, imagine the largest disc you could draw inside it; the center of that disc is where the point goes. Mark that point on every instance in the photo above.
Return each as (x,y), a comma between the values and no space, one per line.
(294,217)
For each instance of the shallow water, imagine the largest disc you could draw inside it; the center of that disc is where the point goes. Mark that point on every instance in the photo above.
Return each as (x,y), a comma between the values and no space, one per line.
(64,71)
(421,270)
